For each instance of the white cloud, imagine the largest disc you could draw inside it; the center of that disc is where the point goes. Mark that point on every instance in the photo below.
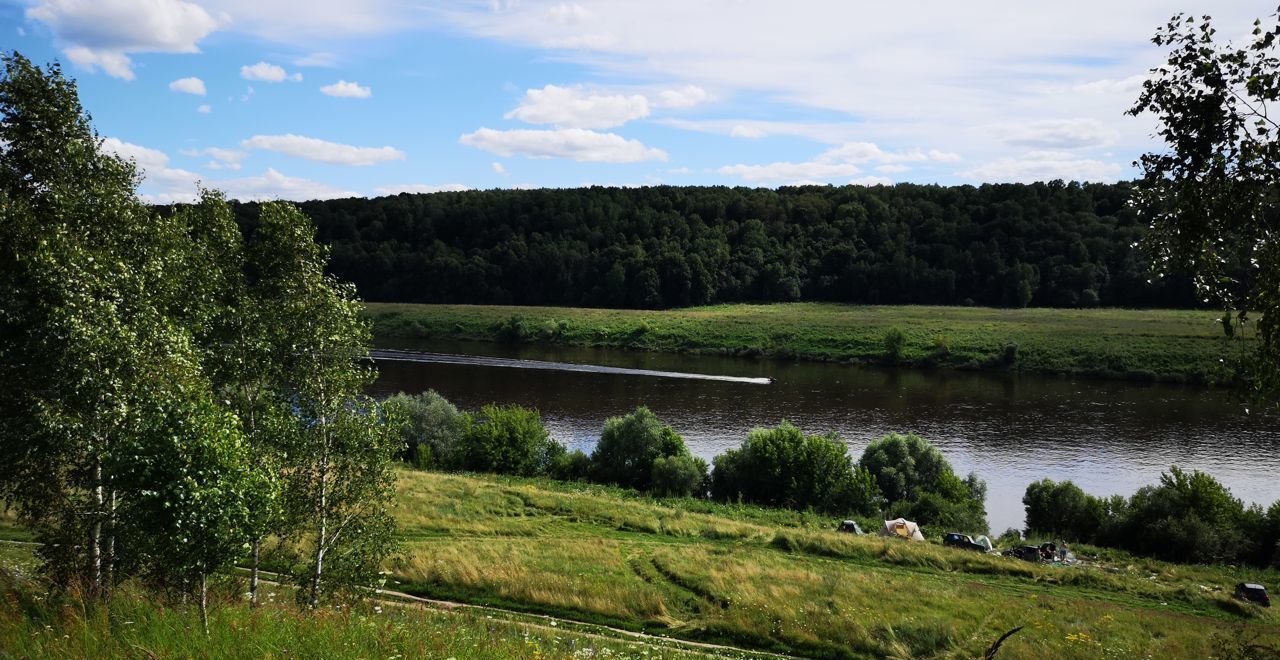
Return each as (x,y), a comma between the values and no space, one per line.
(872,181)
(223,159)
(102,33)
(573,143)
(327,60)
(1059,134)
(828,133)
(835,163)
(420,188)
(793,173)
(321,151)
(684,97)
(1127,86)
(1045,166)
(161,183)
(748,132)
(344,89)
(893,168)
(499,169)
(568,13)
(274,185)
(680,170)
(190,85)
(574,107)
(204,109)
(267,72)
(21,31)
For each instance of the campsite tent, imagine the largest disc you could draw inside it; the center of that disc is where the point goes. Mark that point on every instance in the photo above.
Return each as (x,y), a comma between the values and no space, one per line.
(902,528)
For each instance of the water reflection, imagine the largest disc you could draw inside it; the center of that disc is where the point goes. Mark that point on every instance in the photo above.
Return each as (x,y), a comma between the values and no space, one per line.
(1108,437)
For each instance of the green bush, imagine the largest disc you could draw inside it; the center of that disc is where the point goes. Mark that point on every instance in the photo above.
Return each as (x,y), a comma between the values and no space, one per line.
(1062,510)
(571,466)
(785,467)
(509,440)
(894,342)
(432,430)
(679,476)
(628,447)
(917,482)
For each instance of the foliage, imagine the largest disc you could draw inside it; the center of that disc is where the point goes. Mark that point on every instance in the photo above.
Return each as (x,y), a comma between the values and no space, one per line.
(572,466)
(96,342)
(784,467)
(509,440)
(1187,517)
(917,482)
(628,447)
(894,341)
(1041,244)
(433,428)
(1211,196)
(679,475)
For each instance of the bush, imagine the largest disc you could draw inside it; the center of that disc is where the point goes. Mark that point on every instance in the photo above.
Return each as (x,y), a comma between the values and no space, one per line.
(430,421)
(571,466)
(894,343)
(917,482)
(785,467)
(679,476)
(628,447)
(509,440)
(1062,510)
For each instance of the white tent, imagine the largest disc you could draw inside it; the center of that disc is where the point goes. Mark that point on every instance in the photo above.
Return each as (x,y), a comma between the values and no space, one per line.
(902,528)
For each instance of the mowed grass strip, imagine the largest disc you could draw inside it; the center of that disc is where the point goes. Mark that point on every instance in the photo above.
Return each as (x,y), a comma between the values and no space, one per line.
(737,575)
(1164,345)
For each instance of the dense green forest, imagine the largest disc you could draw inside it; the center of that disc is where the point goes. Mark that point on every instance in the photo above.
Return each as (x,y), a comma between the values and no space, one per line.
(1045,244)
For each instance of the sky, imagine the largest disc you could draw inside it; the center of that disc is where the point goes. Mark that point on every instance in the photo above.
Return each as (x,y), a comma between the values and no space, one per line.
(315,99)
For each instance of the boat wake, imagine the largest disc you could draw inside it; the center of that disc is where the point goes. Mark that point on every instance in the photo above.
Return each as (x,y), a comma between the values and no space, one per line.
(393,355)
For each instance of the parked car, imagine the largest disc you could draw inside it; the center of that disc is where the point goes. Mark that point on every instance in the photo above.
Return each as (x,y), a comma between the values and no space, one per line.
(958,540)
(1024,552)
(1253,592)
(850,526)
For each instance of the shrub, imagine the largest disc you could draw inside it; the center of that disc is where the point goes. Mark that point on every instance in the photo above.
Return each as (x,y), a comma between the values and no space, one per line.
(1062,510)
(430,421)
(509,440)
(628,447)
(917,482)
(894,343)
(785,467)
(679,476)
(571,466)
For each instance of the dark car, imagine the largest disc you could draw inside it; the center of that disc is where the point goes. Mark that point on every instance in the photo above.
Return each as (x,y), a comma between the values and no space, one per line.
(1025,553)
(1253,592)
(957,540)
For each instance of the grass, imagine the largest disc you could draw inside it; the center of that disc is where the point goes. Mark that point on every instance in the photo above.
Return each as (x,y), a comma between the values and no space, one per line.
(1164,345)
(741,575)
(786,582)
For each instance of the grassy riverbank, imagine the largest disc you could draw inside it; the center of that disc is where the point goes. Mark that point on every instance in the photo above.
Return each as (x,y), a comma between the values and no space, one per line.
(784,581)
(1165,345)
(744,576)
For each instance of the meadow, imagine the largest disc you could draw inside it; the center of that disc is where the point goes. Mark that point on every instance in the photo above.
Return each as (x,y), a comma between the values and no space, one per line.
(1146,345)
(744,576)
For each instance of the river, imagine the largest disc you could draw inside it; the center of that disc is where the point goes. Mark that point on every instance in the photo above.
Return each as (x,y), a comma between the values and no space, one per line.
(1108,437)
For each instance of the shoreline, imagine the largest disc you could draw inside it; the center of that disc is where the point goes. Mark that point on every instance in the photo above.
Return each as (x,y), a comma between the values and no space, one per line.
(1167,346)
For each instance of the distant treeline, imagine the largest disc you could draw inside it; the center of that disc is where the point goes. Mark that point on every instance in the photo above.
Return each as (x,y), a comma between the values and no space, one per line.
(1044,244)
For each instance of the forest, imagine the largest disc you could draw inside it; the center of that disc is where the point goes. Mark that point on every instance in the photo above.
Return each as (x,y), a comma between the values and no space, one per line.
(1051,244)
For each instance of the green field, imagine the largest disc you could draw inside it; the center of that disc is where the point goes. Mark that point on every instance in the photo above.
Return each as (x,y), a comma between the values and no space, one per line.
(784,581)
(742,576)
(1165,345)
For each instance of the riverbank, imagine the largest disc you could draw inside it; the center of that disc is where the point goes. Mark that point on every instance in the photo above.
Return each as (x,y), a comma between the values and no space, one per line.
(1142,345)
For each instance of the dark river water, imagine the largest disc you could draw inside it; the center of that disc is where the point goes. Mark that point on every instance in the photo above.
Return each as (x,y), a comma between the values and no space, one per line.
(1107,437)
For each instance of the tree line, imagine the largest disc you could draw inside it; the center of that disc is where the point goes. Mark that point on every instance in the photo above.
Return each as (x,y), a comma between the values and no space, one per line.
(177,393)
(897,476)
(1011,245)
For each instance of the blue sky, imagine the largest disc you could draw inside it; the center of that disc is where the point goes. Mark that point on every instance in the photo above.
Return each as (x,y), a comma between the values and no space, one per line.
(310,99)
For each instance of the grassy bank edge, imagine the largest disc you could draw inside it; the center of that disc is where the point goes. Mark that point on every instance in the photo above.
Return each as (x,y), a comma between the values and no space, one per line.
(1176,346)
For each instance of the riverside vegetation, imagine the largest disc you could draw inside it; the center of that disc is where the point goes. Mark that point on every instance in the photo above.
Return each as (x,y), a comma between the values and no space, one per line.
(1166,345)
